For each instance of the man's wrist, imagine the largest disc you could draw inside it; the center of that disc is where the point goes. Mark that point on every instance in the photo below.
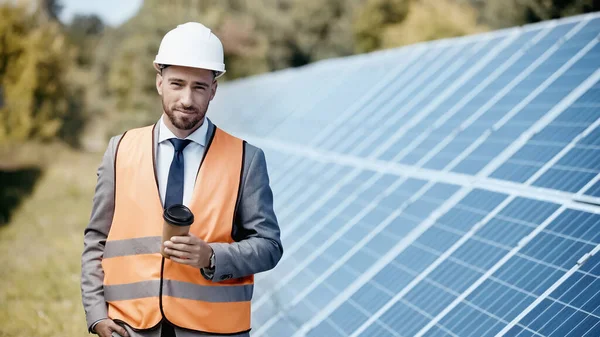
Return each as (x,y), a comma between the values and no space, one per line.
(93,326)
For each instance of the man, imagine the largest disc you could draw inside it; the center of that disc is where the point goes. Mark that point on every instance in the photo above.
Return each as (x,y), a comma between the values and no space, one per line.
(205,286)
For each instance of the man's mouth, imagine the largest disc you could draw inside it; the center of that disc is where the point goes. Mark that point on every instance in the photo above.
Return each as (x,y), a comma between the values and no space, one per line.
(187,112)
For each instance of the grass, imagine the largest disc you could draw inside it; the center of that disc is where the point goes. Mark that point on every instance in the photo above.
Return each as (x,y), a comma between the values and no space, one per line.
(40,247)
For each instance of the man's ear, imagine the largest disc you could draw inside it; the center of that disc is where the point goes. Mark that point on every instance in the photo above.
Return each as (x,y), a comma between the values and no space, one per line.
(214,89)
(159,80)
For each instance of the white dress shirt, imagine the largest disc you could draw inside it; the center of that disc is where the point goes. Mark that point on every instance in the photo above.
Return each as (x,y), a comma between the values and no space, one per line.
(192,156)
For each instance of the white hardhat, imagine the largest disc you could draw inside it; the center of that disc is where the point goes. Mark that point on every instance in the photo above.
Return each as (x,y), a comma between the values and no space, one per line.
(191,45)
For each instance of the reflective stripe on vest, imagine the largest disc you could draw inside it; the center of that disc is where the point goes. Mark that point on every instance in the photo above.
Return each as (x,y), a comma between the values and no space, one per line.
(139,289)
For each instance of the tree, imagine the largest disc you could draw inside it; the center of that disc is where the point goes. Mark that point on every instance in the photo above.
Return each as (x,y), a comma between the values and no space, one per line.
(374,18)
(429,20)
(509,13)
(84,32)
(34,61)
(50,8)
(322,29)
(392,23)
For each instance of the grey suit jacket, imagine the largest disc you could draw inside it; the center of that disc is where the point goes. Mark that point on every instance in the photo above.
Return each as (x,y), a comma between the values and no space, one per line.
(257,245)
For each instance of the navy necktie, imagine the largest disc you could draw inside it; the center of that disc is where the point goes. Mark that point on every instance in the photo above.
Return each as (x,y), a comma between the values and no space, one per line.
(175,183)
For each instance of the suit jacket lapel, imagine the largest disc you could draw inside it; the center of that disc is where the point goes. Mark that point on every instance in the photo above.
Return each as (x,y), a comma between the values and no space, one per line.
(209,133)
(155,142)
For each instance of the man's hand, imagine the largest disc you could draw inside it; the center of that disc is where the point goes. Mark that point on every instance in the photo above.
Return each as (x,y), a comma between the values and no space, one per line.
(189,250)
(105,328)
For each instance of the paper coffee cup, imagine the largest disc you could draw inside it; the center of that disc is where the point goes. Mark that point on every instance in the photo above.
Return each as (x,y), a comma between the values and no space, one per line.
(178,219)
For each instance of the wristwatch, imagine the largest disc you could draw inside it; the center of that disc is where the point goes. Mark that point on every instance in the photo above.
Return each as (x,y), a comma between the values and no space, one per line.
(212,260)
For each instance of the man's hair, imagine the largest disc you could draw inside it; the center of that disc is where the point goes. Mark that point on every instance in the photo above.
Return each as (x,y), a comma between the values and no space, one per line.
(161,67)
(165,66)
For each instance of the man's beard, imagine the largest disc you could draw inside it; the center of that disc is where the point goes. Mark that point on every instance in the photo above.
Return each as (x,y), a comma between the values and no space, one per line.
(188,121)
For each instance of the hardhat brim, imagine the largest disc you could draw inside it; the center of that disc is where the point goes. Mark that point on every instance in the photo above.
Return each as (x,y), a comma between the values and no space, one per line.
(218,68)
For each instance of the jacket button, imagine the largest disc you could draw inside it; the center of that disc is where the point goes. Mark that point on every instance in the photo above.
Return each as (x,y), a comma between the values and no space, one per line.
(226,277)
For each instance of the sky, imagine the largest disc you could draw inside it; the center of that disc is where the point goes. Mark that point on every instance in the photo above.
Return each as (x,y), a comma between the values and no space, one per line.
(112,12)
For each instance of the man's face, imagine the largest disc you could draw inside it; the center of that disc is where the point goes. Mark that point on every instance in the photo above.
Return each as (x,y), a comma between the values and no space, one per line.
(186,93)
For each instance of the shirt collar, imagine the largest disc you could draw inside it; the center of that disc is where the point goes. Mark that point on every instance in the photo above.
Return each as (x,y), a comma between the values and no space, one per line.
(198,136)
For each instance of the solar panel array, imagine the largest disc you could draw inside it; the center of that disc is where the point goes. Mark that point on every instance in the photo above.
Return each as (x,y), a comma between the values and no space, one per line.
(449,188)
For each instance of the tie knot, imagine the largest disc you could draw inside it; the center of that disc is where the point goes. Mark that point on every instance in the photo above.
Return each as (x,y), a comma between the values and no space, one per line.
(179,144)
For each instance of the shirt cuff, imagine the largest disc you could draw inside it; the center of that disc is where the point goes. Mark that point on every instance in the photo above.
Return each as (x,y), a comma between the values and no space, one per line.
(208,273)
(93,327)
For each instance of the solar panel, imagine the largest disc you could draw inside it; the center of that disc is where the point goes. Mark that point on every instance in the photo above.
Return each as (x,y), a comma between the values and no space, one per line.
(449,188)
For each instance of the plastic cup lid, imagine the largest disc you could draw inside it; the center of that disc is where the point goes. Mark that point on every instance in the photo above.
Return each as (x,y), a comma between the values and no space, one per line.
(178,215)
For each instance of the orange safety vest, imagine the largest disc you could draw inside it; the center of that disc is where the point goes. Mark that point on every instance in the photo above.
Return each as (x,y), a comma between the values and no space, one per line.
(141,287)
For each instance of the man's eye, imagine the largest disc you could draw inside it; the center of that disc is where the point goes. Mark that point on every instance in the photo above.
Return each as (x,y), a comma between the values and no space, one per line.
(176,84)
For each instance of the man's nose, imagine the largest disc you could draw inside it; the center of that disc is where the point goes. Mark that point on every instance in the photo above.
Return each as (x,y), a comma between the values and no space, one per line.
(186,98)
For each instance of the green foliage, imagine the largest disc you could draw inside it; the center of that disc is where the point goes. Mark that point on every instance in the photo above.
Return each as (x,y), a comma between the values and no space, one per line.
(431,20)
(322,29)
(373,20)
(392,23)
(34,60)
(84,32)
(508,13)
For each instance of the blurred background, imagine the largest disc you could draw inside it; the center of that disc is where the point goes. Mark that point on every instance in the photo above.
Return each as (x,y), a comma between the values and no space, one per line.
(73,73)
